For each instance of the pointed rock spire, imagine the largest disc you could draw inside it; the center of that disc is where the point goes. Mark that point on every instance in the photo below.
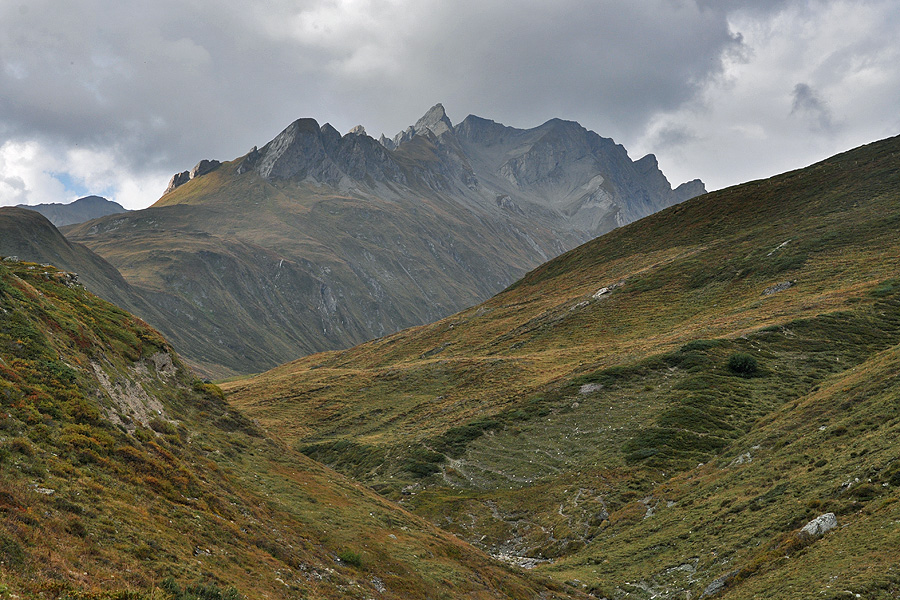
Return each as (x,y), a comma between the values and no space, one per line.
(435,121)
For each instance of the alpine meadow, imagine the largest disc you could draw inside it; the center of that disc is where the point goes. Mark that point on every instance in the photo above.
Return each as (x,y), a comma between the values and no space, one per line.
(616,319)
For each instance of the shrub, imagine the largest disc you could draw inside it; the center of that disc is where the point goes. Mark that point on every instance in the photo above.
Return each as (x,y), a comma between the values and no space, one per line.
(742,363)
(198,591)
(351,558)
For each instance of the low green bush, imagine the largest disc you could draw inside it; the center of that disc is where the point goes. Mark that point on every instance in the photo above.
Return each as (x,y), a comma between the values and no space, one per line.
(742,363)
(354,559)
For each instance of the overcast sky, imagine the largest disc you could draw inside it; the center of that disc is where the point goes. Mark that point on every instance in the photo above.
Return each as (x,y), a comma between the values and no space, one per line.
(111,97)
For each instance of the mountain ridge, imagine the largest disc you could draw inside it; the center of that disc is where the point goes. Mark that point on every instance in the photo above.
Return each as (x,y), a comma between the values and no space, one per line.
(78,211)
(366,240)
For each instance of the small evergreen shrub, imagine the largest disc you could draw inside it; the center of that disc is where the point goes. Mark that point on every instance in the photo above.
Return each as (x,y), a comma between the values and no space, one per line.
(351,558)
(742,363)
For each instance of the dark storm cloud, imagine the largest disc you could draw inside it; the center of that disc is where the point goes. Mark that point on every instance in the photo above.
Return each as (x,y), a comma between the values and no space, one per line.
(170,82)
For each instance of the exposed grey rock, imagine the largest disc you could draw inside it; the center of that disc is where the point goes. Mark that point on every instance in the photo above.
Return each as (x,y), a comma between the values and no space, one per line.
(203,167)
(780,287)
(820,525)
(304,150)
(583,182)
(387,142)
(506,203)
(378,584)
(746,457)
(690,189)
(178,179)
(718,585)
(435,121)
(331,138)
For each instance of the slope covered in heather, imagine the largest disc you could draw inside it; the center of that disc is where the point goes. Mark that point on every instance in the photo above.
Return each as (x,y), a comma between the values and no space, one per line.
(124,476)
(660,408)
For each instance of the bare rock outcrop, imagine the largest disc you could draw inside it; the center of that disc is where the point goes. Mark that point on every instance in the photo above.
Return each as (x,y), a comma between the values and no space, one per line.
(820,525)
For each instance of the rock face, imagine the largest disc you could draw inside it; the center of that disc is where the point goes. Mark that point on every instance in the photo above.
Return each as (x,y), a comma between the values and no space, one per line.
(79,211)
(820,525)
(306,151)
(178,179)
(690,189)
(717,585)
(201,168)
(588,182)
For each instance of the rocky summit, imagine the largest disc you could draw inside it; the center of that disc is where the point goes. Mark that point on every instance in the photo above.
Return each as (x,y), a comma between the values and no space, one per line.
(318,241)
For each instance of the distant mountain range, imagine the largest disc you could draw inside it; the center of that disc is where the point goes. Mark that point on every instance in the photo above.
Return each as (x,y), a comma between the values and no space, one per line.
(79,211)
(319,241)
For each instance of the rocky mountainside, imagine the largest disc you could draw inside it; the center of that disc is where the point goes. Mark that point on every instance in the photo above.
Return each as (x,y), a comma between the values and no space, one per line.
(700,403)
(126,477)
(318,241)
(79,211)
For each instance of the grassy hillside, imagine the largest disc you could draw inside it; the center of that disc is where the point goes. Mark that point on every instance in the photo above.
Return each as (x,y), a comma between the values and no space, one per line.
(125,477)
(565,418)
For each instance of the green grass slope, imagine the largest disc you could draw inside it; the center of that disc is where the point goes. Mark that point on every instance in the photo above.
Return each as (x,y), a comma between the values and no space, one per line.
(564,420)
(122,476)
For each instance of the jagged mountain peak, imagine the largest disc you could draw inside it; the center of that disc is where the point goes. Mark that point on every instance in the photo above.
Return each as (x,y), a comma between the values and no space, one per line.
(435,120)
(304,150)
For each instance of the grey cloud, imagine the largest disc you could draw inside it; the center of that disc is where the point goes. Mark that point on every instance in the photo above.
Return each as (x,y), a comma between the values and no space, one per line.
(13,191)
(673,137)
(167,83)
(809,105)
